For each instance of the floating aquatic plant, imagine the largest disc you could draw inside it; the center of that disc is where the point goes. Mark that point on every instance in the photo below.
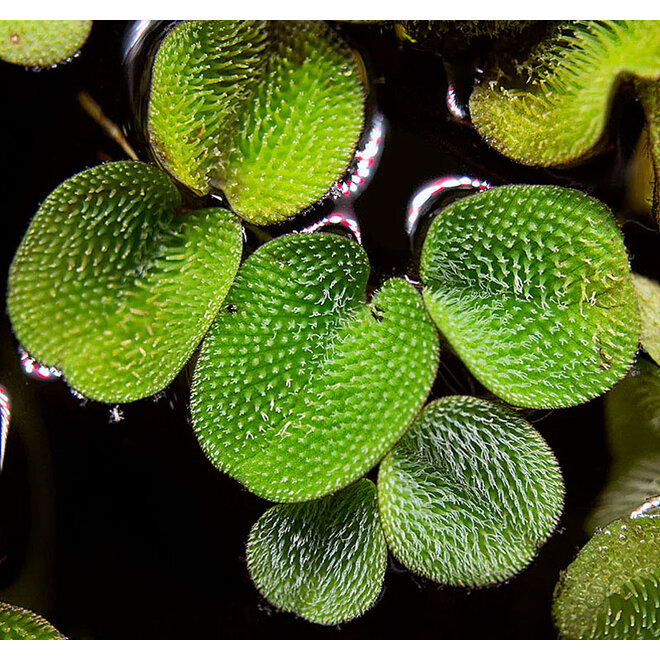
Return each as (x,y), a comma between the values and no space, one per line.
(649,96)
(323,560)
(19,623)
(41,43)
(302,384)
(612,589)
(115,283)
(553,108)
(532,287)
(648,297)
(272,118)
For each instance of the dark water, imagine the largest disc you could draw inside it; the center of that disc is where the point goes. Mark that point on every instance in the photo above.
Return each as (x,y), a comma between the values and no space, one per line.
(124,529)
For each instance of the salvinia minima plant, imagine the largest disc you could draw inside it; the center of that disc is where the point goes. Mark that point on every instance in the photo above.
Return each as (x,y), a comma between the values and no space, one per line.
(310,374)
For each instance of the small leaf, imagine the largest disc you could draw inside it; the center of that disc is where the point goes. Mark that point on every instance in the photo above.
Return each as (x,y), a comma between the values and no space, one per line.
(323,560)
(648,297)
(557,110)
(41,43)
(115,285)
(272,120)
(612,589)
(19,623)
(302,386)
(532,287)
(469,494)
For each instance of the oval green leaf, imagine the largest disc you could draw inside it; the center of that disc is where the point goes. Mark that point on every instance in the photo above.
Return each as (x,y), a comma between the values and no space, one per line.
(553,108)
(272,120)
(41,43)
(532,287)
(301,385)
(115,285)
(469,494)
(21,624)
(612,589)
(648,298)
(323,560)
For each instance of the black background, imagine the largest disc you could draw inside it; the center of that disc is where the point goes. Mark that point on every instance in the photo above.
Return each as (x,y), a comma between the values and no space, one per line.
(125,530)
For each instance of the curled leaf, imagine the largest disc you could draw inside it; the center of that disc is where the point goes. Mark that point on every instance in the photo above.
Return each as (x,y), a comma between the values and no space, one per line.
(557,110)
(272,119)
(532,287)
(19,623)
(41,43)
(612,589)
(323,560)
(469,494)
(302,385)
(115,285)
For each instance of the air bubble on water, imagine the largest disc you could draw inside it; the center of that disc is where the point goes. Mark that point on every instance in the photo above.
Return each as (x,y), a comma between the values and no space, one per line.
(453,105)
(337,219)
(35,370)
(649,509)
(5,416)
(365,161)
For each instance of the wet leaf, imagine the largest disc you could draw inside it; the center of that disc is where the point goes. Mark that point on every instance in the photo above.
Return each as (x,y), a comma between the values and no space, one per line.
(272,120)
(612,589)
(648,298)
(41,43)
(301,385)
(323,560)
(469,494)
(553,108)
(115,285)
(19,623)
(532,287)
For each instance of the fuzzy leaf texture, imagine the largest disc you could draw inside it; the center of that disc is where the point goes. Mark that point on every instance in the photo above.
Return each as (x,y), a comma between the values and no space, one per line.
(301,385)
(323,560)
(555,111)
(114,285)
(532,287)
(648,298)
(41,43)
(612,589)
(272,118)
(21,624)
(469,494)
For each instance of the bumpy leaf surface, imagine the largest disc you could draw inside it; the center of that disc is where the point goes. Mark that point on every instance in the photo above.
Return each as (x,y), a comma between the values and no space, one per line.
(648,297)
(41,43)
(114,285)
(19,623)
(323,560)
(612,589)
(469,494)
(532,287)
(272,117)
(301,386)
(557,110)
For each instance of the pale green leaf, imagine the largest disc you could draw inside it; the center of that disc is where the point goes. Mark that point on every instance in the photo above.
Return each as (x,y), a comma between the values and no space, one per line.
(469,494)
(19,623)
(41,43)
(612,589)
(532,287)
(648,297)
(115,285)
(301,385)
(323,560)
(553,108)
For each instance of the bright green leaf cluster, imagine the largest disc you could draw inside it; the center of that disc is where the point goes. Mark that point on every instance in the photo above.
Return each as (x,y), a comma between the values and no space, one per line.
(20,624)
(557,110)
(269,113)
(41,43)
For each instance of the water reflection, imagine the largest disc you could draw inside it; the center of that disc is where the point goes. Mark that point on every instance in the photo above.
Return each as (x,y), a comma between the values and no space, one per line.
(5,416)
(650,509)
(35,370)
(339,219)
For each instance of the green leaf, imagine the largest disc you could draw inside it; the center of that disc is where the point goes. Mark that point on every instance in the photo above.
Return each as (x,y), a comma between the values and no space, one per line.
(323,560)
(469,494)
(115,284)
(553,109)
(272,120)
(612,589)
(649,95)
(648,297)
(532,287)
(41,43)
(301,385)
(19,623)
